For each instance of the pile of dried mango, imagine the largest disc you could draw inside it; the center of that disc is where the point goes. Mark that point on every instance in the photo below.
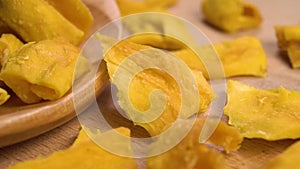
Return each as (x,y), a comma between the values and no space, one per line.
(39,46)
(33,71)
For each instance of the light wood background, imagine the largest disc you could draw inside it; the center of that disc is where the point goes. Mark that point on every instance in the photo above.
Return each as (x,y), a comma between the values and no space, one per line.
(254,153)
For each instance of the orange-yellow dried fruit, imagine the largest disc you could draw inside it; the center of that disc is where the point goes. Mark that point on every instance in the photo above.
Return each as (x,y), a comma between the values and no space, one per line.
(4,96)
(41,70)
(74,11)
(287,160)
(240,57)
(289,41)
(36,20)
(83,154)
(270,114)
(9,44)
(189,153)
(145,81)
(130,6)
(231,15)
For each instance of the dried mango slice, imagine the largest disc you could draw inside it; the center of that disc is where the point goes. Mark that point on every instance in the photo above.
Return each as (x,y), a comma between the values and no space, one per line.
(231,15)
(241,56)
(270,114)
(10,44)
(83,154)
(42,70)
(144,82)
(189,153)
(76,12)
(128,7)
(13,43)
(36,20)
(165,3)
(287,160)
(289,41)
(4,96)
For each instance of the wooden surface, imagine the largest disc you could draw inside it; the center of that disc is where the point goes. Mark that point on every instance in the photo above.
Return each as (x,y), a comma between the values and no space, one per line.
(254,153)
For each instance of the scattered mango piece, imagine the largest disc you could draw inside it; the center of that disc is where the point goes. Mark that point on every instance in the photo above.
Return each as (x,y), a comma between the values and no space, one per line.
(4,96)
(83,154)
(144,82)
(231,15)
(42,70)
(158,26)
(240,57)
(271,114)
(287,160)
(189,153)
(289,41)
(36,20)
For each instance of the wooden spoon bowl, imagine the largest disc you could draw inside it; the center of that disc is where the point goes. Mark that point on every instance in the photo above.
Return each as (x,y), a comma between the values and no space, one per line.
(19,121)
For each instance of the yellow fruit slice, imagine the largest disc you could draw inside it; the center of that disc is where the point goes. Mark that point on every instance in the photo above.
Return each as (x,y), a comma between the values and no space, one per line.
(271,114)
(240,57)
(165,3)
(233,16)
(4,96)
(159,30)
(189,153)
(287,160)
(289,41)
(147,80)
(128,7)
(13,43)
(75,11)
(83,154)
(42,70)
(36,20)
(9,44)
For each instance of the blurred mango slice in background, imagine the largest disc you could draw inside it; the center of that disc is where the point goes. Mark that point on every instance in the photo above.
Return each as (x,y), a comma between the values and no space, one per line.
(240,57)
(271,114)
(286,160)
(289,41)
(41,70)
(231,15)
(36,20)
(128,7)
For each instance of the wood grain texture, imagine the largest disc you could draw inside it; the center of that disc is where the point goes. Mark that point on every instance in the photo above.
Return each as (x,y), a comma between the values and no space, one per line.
(254,153)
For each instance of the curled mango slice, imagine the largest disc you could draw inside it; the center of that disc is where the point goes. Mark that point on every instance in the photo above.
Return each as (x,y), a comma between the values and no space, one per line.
(288,159)
(36,20)
(289,41)
(83,154)
(231,15)
(4,96)
(271,114)
(240,57)
(148,80)
(42,70)
(189,153)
